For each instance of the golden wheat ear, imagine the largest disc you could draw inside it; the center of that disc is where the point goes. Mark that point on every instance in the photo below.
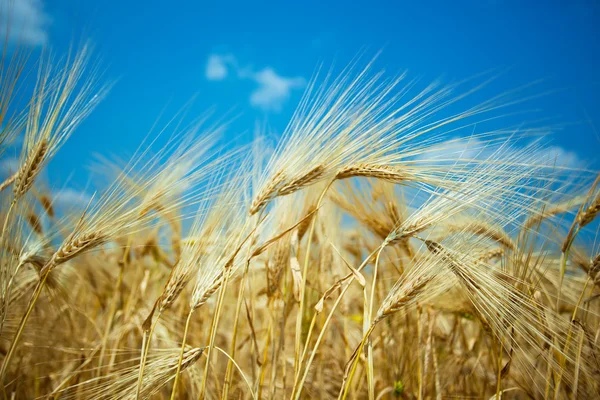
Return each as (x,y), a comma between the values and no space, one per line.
(330,129)
(63,98)
(145,190)
(510,311)
(119,212)
(120,383)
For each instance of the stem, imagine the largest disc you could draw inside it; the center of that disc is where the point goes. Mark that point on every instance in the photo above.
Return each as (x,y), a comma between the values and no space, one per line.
(366,324)
(303,285)
(187,325)
(142,365)
(277,349)
(298,391)
(213,332)
(13,346)
(239,370)
(146,340)
(264,361)
(498,367)
(568,340)
(356,357)
(563,269)
(229,370)
(111,315)
(238,310)
(420,359)
(217,315)
(577,365)
(310,329)
(548,374)
(351,278)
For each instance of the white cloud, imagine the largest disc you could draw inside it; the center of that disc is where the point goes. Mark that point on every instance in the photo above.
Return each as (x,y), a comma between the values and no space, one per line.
(217,67)
(272,90)
(555,155)
(469,148)
(25,21)
(69,198)
(465,148)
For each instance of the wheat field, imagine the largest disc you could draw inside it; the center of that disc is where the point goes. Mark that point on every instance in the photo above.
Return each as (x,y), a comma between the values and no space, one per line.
(368,252)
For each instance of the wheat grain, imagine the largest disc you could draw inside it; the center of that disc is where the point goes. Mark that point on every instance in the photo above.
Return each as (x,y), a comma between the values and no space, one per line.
(30,169)
(590,213)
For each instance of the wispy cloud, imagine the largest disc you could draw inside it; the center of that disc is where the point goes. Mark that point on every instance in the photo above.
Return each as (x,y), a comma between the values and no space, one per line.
(218,66)
(556,155)
(272,89)
(469,148)
(465,148)
(25,21)
(71,198)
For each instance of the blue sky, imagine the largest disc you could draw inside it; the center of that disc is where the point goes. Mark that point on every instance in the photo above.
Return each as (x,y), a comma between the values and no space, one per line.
(252,59)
